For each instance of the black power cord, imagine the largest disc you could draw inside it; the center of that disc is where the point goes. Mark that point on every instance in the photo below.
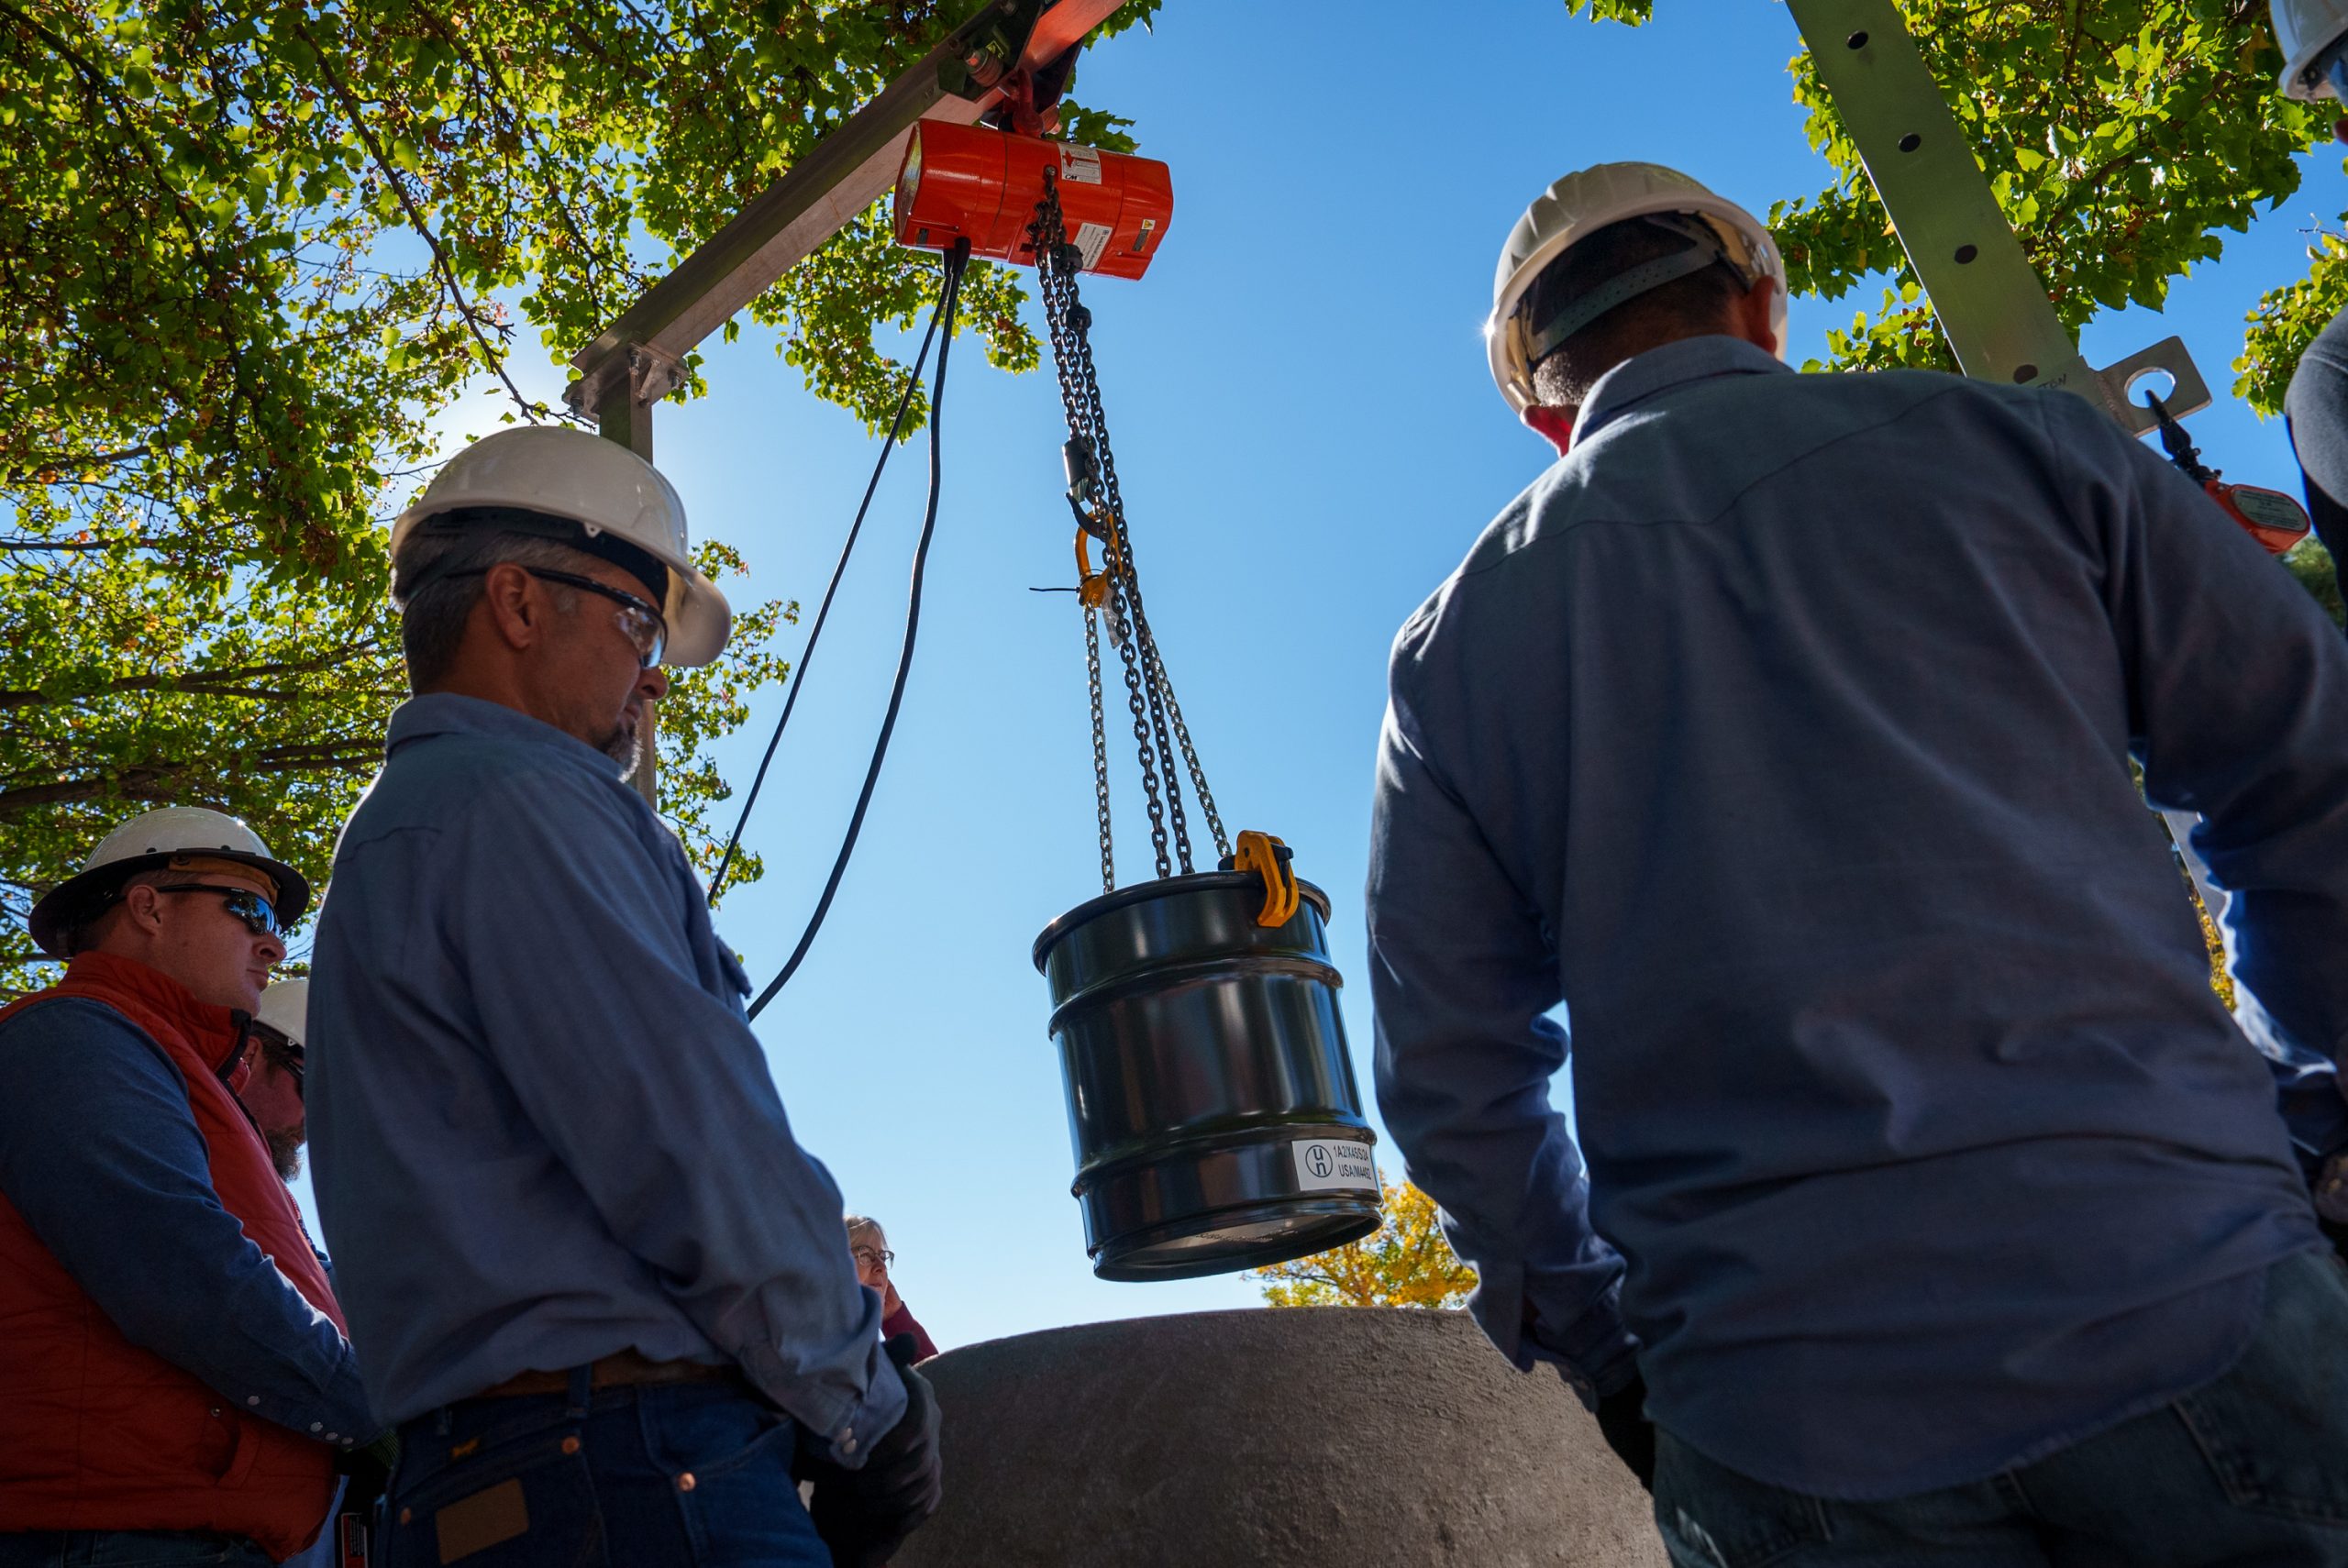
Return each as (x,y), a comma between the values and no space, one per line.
(949,295)
(823,611)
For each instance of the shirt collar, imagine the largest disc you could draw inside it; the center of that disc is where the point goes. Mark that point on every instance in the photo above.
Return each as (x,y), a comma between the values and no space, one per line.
(445,713)
(1659,370)
(216,1032)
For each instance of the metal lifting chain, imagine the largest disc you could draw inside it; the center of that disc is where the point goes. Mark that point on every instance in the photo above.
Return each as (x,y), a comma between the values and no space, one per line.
(1159,727)
(1100,750)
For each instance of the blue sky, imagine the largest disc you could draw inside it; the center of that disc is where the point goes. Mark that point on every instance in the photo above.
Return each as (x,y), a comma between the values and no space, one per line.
(1308,441)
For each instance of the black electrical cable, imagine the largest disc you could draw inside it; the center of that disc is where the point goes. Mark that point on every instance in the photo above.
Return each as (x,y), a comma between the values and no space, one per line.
(948,296)
(823,611)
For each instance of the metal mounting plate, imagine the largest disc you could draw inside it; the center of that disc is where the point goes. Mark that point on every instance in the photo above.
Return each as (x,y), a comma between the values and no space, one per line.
(2192,393)
(1988,299)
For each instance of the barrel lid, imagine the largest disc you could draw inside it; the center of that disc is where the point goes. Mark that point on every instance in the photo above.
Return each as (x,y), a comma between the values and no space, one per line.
(1162,887)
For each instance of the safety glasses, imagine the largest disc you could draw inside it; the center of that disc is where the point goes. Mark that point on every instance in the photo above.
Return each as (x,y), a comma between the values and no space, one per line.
(639,620)
(258,913)
(280,1049)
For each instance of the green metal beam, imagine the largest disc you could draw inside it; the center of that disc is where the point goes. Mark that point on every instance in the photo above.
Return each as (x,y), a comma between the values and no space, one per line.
(1988,297)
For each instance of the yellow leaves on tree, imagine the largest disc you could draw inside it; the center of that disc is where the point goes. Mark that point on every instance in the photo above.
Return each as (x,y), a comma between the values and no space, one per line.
(1404,1263)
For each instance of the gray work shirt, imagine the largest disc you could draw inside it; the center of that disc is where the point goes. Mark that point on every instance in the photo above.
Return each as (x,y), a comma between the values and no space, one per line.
(1782,731)
(543,1130)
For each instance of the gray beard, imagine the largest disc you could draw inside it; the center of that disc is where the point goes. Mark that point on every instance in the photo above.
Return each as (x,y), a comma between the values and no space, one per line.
(623,748)
(285,1152)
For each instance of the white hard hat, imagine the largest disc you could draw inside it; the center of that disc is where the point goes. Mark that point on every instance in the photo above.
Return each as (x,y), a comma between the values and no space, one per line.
(150,842)
(604,488)
(285,1006)
(1578,206)
(2303,31)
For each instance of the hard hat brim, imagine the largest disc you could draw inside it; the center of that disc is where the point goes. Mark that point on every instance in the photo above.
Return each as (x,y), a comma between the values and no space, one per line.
(64,907)
(699,618)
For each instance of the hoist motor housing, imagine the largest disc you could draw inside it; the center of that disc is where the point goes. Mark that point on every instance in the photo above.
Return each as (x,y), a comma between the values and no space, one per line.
(2274,519)
(981,185)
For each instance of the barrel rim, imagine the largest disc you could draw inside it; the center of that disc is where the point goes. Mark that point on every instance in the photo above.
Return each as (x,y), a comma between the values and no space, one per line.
(1344,1218)
(1157,887)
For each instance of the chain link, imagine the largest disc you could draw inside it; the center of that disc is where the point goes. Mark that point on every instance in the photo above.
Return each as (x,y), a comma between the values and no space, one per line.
(1100,749)
(1191,760)
(1159,731)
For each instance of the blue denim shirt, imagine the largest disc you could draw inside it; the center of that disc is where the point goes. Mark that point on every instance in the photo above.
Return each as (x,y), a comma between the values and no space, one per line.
(1782,731)
(542,1131)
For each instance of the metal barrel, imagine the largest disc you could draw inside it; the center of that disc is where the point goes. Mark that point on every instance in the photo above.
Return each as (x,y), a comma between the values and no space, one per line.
(1211,1099)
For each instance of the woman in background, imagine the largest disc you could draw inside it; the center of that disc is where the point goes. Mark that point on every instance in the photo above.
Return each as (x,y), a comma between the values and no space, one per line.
(868,1244)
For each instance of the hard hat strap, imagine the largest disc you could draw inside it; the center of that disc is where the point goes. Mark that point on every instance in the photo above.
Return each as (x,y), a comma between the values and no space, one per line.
(1704,248)
(638,563)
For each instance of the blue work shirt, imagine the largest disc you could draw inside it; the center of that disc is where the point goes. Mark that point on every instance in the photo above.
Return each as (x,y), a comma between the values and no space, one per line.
(1782,731)
(542,1131)
(102,1156)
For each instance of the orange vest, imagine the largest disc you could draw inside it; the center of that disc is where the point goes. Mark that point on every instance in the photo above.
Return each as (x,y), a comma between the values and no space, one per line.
(98,1434)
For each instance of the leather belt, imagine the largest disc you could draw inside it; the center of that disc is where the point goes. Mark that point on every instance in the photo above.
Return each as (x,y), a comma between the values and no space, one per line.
(628,1369)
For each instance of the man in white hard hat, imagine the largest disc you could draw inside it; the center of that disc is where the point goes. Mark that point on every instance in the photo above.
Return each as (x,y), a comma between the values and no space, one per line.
(178,1388)
(274,1063)
(591,1273)
(1934,1209)
(272,1096)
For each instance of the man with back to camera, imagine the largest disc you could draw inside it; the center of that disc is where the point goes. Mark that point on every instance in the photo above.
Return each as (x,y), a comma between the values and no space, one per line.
(2313,35)
(592,1274)
(1934,1210)
(177,1385)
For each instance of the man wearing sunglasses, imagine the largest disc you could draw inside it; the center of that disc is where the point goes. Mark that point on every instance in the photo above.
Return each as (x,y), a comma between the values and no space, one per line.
(178,1385)
(274,1064)
(591,1273)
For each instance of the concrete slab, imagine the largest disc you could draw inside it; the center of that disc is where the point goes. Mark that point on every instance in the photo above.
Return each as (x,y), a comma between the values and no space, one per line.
(1344,1437)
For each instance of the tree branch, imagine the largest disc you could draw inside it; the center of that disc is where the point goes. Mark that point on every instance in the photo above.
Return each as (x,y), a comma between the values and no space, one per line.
(28,546)
(351,106)
(156,781)
(102,90)
(198,683)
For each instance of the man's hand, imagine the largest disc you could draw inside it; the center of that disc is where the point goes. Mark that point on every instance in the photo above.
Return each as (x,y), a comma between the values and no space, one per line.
(1622,1418)
(864,1515)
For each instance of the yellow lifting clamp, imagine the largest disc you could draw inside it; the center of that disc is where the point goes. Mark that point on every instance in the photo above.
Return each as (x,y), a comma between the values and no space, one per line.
(1092,587)
(1267,857)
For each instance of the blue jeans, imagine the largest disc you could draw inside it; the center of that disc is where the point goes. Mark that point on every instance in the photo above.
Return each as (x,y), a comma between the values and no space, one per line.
(129,1549)
(672,1475)
(2247,1471)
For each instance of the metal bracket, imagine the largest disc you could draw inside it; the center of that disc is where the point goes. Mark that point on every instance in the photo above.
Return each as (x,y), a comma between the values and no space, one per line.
(652,374)
(2168,356)
(831,184)
(1988,297)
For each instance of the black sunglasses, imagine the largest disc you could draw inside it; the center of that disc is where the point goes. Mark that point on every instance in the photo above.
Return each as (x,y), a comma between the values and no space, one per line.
(640,620)
(258,913)
(273,1045)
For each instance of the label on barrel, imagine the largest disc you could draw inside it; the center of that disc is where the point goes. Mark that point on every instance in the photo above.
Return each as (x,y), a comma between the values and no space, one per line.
(1324,1164)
